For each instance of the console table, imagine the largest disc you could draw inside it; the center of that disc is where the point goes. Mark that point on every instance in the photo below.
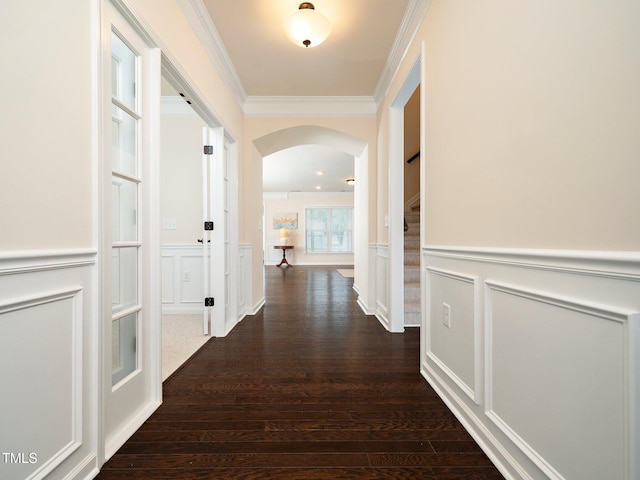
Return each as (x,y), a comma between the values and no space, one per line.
(284,249)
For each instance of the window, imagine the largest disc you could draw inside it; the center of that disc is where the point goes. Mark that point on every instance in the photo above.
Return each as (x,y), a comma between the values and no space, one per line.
(329,229)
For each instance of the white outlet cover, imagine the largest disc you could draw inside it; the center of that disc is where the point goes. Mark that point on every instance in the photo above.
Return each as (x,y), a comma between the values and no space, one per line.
(446,315)
(169,224)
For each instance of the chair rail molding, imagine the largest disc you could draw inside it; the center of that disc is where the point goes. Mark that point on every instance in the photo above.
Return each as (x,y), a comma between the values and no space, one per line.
(14,262)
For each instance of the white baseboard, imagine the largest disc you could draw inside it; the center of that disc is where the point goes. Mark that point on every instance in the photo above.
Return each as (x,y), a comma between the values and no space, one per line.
(256,308)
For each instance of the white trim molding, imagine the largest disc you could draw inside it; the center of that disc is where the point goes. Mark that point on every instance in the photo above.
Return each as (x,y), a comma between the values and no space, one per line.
(198,17)
(39,260)
(413,18)
(621,265)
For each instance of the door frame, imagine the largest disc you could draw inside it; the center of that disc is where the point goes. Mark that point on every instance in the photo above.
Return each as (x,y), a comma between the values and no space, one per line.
(396,193)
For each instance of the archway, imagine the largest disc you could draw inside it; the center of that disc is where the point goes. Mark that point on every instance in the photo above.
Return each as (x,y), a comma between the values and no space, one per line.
(317,135)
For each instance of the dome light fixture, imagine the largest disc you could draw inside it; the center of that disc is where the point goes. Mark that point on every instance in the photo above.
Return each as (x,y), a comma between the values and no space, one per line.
(351,181)
(306,27)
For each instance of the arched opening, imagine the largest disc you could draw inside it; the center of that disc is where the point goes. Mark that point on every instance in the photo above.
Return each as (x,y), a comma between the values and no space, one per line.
(347,144)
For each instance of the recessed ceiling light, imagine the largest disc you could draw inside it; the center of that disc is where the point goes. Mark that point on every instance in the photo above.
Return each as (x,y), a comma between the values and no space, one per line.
(318,187)
(320,172)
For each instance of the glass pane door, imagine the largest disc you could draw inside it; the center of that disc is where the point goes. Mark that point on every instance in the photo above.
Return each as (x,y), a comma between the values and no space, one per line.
(125,207)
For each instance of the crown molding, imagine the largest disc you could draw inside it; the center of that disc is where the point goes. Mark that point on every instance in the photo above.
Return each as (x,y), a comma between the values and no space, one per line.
(413,17)
(309,106)
(200,21)
(198,17)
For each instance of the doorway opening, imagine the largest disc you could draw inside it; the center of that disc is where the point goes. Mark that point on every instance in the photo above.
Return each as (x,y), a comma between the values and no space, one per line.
(181,206)
(405,226)
(411,245)
(349,149)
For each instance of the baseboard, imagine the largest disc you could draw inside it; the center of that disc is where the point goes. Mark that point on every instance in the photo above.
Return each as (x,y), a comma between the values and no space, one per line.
(481,436)
(112,445)
(384,321)
(257,307)
(363,306)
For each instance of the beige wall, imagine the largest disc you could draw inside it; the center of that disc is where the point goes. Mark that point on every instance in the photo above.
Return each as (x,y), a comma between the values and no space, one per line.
(532,120)
(181,188)
(296,203)
(47,125)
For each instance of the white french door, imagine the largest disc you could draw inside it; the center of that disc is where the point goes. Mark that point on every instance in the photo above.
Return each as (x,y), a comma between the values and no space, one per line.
(129,202)
(215,238)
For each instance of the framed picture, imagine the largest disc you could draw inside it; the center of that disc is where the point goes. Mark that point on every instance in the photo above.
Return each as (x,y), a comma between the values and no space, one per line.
(285,220)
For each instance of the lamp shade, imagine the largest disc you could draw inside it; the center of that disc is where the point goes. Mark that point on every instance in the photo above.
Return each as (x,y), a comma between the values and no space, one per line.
(284,233)
(306,27)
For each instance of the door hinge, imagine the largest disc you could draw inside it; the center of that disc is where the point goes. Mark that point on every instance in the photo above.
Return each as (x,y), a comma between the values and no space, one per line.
(208,301)
(208,226)
(208,149)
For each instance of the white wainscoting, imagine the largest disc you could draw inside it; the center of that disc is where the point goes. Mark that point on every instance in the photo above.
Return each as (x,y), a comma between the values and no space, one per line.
(244,281)
(541,361)
(182,279)
(367,298)
(382,285)
(48,364)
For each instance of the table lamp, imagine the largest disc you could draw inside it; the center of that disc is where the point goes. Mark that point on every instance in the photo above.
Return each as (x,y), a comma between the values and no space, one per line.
(284,236)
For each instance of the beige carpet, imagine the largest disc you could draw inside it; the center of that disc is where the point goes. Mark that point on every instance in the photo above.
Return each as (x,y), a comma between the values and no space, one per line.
(346,272)
(181,337)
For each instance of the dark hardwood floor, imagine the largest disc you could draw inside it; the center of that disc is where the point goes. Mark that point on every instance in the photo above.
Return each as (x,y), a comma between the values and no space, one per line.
(309,388)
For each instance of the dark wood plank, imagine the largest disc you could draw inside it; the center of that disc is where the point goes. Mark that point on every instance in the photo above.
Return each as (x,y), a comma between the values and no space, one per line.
(308,388)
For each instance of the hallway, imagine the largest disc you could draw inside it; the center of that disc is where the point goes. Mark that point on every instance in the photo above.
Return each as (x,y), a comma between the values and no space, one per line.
(307,388)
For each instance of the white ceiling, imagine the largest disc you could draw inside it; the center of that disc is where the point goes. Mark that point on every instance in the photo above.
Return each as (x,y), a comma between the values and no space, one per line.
(349,63)
(296,170)
(367,40)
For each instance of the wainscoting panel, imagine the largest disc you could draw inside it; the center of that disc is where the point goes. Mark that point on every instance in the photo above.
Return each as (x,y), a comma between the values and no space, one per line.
(244,281)
(48,365)
(573,353)
(544,368)
(453,337)
(382,285)
(182,279)
(191,276)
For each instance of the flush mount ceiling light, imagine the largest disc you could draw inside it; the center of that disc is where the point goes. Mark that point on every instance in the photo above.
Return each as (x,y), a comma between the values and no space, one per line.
(351,181)
(306,27)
